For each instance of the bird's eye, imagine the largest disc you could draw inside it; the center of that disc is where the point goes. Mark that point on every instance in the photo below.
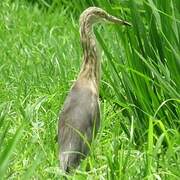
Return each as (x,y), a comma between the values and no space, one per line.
(99,14)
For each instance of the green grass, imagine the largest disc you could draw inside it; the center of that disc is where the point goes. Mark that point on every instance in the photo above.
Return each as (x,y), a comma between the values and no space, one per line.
(40,57)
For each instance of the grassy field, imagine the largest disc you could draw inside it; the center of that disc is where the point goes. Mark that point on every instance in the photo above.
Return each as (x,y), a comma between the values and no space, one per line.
(40,57)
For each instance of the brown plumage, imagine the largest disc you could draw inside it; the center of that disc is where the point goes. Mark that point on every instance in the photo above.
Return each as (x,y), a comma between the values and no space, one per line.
(80,117)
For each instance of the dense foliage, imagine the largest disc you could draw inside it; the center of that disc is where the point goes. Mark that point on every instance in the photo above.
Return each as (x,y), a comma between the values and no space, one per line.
(40,57)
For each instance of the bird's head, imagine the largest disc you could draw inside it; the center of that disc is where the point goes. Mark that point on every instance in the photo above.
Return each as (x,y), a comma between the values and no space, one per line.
(94,15)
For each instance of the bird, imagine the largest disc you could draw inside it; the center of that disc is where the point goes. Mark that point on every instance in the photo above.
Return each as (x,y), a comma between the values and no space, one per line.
(79,119)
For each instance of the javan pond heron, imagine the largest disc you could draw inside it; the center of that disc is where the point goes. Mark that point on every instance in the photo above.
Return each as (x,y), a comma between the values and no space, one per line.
(80,117)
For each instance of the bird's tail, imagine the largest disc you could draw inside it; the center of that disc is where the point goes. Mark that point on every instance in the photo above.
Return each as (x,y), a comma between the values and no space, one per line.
(75,148)
(71,153)
(70,160)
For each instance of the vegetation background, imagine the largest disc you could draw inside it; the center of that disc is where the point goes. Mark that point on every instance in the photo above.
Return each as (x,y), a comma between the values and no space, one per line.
(40,57)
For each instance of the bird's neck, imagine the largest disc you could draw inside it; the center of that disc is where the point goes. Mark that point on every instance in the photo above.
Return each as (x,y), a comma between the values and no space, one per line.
(91,54)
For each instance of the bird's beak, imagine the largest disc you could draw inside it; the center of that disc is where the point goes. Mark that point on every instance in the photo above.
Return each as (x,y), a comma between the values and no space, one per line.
(115,20)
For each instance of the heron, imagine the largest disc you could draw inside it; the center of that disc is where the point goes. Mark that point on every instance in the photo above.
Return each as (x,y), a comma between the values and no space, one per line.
(79,119)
